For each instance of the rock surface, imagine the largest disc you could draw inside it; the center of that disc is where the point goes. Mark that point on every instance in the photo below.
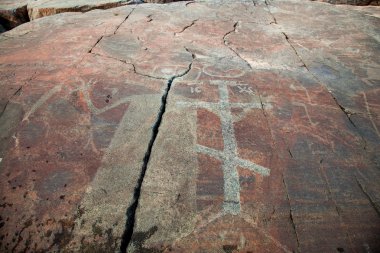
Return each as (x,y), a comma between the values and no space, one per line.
(352,2)
(42,8)
(211,126)
(14,13)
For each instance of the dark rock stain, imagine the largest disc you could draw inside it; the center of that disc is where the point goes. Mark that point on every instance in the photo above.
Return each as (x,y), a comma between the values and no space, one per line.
(229,248)
(138,239)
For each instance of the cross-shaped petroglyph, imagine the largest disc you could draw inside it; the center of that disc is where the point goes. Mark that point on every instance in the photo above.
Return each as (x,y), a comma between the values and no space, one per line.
(229,156)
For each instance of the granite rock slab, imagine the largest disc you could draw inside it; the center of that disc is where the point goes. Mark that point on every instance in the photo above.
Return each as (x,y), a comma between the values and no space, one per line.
(210,126)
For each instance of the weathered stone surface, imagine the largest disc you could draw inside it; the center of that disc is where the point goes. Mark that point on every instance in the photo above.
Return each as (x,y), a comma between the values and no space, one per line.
(74,122)
(352,2)
(211,126)
(274,144)
(13,13)
(42,8)
(161,1)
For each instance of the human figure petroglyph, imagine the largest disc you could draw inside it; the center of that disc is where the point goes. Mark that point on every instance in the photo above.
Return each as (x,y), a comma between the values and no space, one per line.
(42,100)
(229,155)
(306,112)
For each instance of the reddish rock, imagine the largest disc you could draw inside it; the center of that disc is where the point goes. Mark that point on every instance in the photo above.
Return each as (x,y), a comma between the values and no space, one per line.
(293,157)
(42,8)
(194,126)
(14,13)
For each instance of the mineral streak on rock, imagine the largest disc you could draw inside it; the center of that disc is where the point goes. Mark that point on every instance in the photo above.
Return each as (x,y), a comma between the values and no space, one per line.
(200,126)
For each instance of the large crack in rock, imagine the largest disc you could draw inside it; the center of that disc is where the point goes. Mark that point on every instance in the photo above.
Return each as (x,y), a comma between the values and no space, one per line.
(131,211)
(12,14)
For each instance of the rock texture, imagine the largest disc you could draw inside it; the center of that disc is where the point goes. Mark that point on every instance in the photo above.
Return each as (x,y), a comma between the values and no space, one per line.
(13,13)
(352,2)
(213,126)
(42,8)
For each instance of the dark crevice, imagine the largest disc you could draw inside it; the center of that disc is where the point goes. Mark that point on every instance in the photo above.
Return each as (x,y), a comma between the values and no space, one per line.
(267,121)
(96,43)
(186,27)
(117,27)
(229,32)
(226,43)
(149,17)
(261,101)
(7,103)
(129,63)
(191,2)
(273,17)
(13,18)
(374,205)
(296,52)
(344,110)
(5,107)
(141,74)
(192,53)
(291,214)
(290,153)
(131,211)
(16,93)
(348,114)
(114,32)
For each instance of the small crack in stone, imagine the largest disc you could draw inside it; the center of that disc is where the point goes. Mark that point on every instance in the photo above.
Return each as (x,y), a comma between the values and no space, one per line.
(114,32)
(129,63)
(273,17)
(186,27)
(18,91)
(374,205)
(291,213)
(226,43)
(346,112)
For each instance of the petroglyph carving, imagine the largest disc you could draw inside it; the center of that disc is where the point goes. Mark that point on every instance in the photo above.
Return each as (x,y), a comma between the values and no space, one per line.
(245,89)
(42,100)
(195,90)
(306,111)
(229,155)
